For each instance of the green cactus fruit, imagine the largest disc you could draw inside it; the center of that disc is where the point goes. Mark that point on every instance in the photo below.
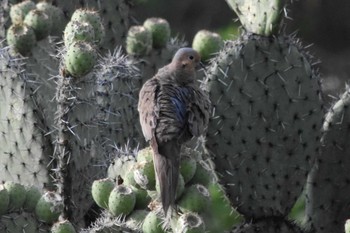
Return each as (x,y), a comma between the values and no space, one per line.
(121,166)
(153,223)
(138,41)
(93,18)
(121,201)
(347,226)
(49,207)
(207,43)
(144,175)
(195,198)
(190,223)
(204,174)
(21,38)
(145,155)
(20,10)
(32,197)
(64,226)
(78,31)
(188,166)
(128,179)
(142,198)
(4,200)
(56,15)
(101,189)
(40,22)
(261,17)
(221,215)
(265,133)
(80,58)
(160,30)
(135,220)
(17,194)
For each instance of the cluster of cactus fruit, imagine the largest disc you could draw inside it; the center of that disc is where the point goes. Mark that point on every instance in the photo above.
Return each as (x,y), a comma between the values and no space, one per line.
(69,107)
(131,192)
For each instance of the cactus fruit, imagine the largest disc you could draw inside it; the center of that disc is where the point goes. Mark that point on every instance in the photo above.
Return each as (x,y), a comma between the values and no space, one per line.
(139,41)
(4,200)
(194,199)
(144,175)
(347,226)
(190,223)
(56,16)
(188,166)
(63,227)
(327,190)
(17,194)
(207,43)
(160,30)
(80,58)
(121,200)
(204,173)
(101,189)
(92,18)
(135,220)
(78,31)
(142,198)
(152,223)
(268,113)
(49,207)
(21,38)
(20,10)
(33,195)
(262,17)
(40,22)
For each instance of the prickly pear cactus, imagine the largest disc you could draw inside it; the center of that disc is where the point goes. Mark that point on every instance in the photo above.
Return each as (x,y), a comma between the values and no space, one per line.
(327,200)
(265,130)
(25,148)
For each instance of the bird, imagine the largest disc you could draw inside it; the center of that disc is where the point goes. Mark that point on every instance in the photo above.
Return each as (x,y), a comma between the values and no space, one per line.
(172,110)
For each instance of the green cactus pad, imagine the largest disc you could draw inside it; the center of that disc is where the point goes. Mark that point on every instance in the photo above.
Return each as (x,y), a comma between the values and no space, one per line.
(152,224)
(17,194)
(188,166)
(49,207)
(190,223)
(32,197)
(196,198)
(63,227)
(80,58)
(56,15)
(21,38)
(21,222)
(145,176)
(207,43)
(268,113)
(78,31)
(40,22)
(94,19)
(4,200)
(101,189)
(121,201)
(20,10)
(138,41)
(160,30)
(260,17)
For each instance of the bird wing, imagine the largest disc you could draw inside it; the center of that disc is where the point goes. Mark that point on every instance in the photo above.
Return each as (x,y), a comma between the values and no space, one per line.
(199,110)
(148,108)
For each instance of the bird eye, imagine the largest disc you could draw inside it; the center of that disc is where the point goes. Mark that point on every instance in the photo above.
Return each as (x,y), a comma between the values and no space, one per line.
(191,57)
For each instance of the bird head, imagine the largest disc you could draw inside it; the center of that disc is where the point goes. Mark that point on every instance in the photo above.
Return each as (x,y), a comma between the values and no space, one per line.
(185,62)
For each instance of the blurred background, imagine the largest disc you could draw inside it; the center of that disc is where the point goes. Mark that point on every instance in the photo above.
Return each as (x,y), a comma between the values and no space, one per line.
(323,26)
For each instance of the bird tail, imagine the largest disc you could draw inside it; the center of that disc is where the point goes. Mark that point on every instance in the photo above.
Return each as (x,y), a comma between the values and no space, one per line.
(166,160)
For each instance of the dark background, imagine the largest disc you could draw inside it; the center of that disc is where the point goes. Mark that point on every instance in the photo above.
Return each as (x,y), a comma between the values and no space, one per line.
(324,24)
